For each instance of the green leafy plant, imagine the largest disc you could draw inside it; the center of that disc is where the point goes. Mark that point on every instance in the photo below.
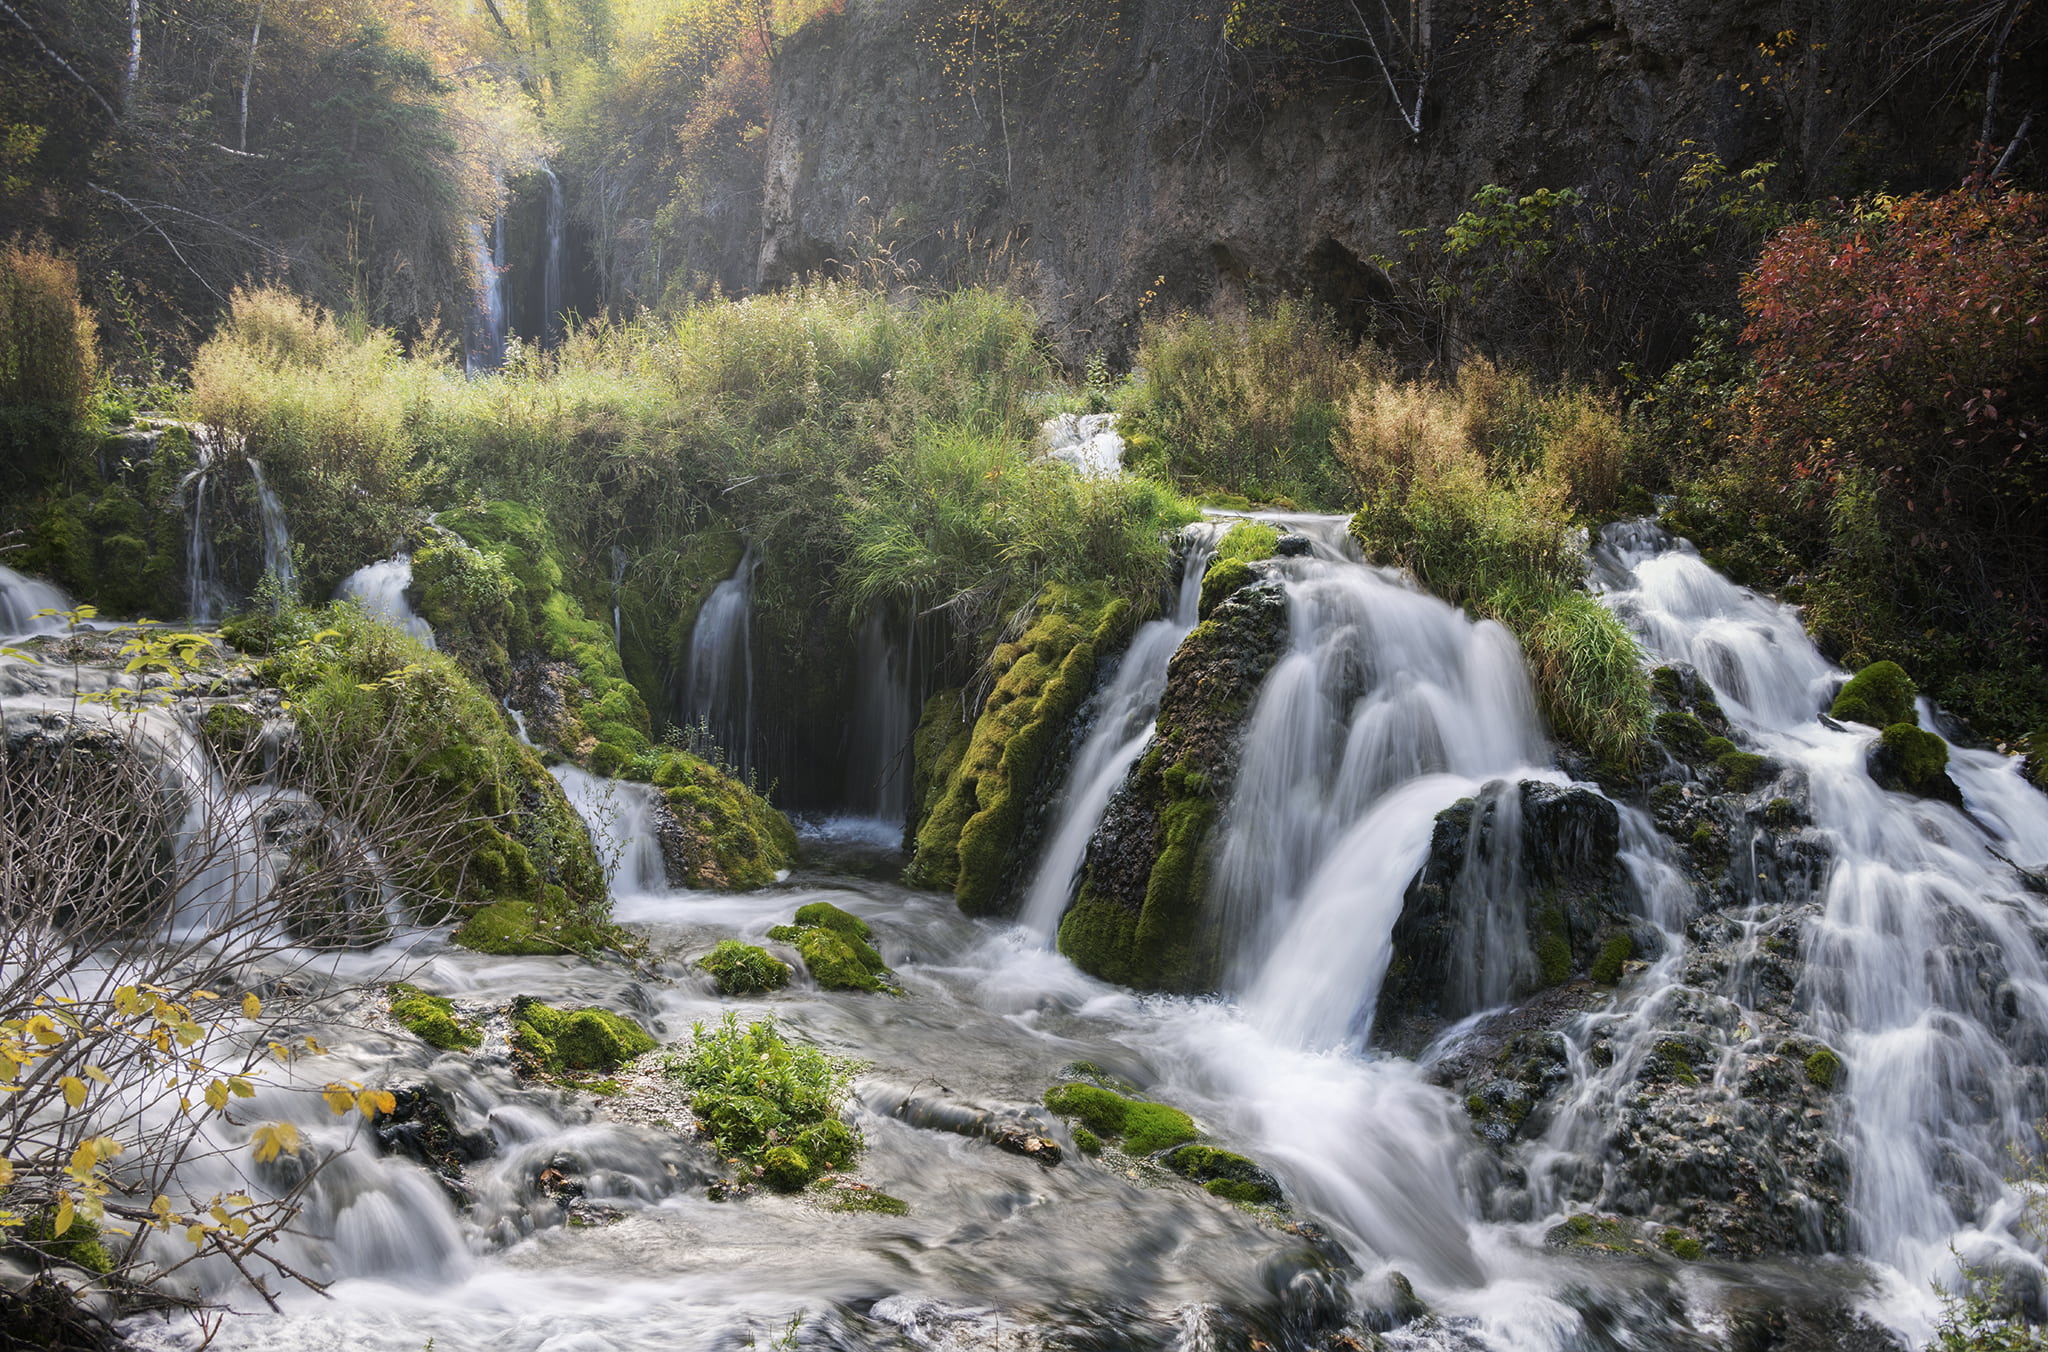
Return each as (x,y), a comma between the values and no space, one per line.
(770,1105)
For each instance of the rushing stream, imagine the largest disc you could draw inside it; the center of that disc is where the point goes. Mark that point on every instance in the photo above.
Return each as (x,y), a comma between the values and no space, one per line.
(1385,707)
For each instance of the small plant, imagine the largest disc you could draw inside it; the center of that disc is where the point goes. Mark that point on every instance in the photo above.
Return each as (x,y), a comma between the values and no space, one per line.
(769,1104)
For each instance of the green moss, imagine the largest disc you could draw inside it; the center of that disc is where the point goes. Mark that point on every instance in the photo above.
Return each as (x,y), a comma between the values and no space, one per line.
(731,837)
(744,969)
(836,957)
(1781,812)
(1087,1142)
(1823,1068)
(1677,1058)
(1225,577)
(827,916)
(1607,965)
(1684,734)
(1664,685)
(1879,695)
(786,1169)
(968,840)
(1223,1173)
(1744,770)
(431,1018)
(506,929)
(1679,1244)
(1145,1128)
(555,1040)
(1249,541)
(867,1200)
(231,731)
(1919,757)
(79,1245)
(1553,948)
(1602,1234)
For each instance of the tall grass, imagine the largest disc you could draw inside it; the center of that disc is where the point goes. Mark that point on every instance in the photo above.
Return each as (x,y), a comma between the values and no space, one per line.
(49,359)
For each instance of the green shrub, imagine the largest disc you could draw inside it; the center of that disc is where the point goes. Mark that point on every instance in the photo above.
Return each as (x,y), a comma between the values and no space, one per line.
(1879,695)
(557,1040)
(431,1018)
(744,969)
(49,362)
(768,1102)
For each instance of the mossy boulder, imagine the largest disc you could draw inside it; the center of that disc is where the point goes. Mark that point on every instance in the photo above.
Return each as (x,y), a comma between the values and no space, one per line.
(1879,695)
(1227,1175)
(1142,1127)
(1139,917)
(967,843)
(231,731)
(835,949)
(1231,569)
(1910,759)
(551,1041)
(717,832)
(431,1018)
(744,969)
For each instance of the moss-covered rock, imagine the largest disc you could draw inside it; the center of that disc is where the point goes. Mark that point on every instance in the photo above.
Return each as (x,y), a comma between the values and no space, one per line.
(718,832)
(835,949)
(1144,1128)
(1227,1175)
(1910,759)
(744,969)
(1138,919)
(552,1041)
(1880,695)
(431,1018)
(1823,1068)
(968,840)
(1613,955)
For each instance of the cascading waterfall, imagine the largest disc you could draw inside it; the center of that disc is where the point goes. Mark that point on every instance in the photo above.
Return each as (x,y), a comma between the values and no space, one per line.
(621,817)
(380,589)
(486,348)
(552,324)
(878,760)
(277,538)
(204,592)
(21,598)
(1924,970)
(1118,736)
(1087,441)
(620,559)
(718,685)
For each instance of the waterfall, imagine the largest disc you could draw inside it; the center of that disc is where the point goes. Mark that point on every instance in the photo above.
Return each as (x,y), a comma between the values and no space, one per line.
(552,323)
(277,539)
(486,348)
(1088,442)
(20,600)
(1121,731)
(380,589)
(621,815)
(203,590)
(1924,970)
(878,760)
(718,685)
(619,561)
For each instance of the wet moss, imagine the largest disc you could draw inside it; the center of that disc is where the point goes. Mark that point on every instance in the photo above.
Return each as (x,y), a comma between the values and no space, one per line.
(1879,695)
(1227,1175)
(1679,1244)
(729,837)
(552,1040)
(1613,955)
(1601,1234)
(786,1169)
(744,969)
(1919,757)
(1742,771)
(835,952)
(1087,1142)
(827,916)
(431,1018)
(1225,577)
(1823,1068)
(968,841)
(1682,733)
(80,1244)
(1144,1127)
(1553,948)
(867,1200)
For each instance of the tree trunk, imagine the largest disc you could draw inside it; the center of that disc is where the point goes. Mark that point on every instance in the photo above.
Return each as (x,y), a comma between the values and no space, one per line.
(249,76)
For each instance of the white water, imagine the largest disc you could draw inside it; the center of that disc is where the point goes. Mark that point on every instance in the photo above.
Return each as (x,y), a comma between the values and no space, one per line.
(380,589)
(21,600)
(718,685)
(1088,442)
(620,814)
(1119,735)
(277,537)
(1921,912)
(486,346)
(204,592)
(552,321)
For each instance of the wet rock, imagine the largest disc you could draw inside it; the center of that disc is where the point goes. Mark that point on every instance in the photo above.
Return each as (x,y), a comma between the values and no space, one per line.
(1293,546)
(1019,1140)
(423,1127)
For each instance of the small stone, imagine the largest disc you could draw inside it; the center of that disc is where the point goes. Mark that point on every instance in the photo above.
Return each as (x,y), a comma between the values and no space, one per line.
(1020,1141)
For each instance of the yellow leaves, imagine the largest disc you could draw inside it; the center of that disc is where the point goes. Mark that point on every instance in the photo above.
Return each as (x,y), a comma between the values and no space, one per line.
(343,1098)
(373,1101)
(251,1006)
(97,1075)
(65,1211)
(74,1091)
(92,1152)
(6,1172)
(340,1098)
(273,1139)
(217,1095)
(44,1030)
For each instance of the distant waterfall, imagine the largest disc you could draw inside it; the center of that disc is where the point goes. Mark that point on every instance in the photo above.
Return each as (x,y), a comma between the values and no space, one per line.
(20,599)
(1119,735)
(486,347)
(718,686)
(553,327)
(380,589)
(878,760)
(277,538)
(204,592)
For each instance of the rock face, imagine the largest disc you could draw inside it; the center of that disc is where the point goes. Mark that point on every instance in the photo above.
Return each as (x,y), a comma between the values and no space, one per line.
(1523,890)
(1151,154)
(1138,917)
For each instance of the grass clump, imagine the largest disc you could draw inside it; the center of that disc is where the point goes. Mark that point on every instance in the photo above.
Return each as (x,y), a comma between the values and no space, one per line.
(769,1104)
(744,969)
(1880,695)
(1144,1128)
(553,1041)
(431,1018)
